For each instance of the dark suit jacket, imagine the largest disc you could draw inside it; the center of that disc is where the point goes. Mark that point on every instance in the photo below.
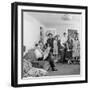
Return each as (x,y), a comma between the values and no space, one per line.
(50,43)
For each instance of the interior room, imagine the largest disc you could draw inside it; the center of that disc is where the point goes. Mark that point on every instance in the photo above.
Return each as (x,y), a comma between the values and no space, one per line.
(36,26)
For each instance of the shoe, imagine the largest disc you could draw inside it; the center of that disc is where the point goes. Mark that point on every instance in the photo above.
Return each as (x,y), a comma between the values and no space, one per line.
(54,69)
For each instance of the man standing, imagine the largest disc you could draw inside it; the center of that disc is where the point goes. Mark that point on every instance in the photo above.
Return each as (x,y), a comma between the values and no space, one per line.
(50,56)
(50,42)
(63,42)
(64,39)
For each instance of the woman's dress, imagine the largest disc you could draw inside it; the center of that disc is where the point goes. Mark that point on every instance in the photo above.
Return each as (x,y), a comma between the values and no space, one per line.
(55,47)
(76,48)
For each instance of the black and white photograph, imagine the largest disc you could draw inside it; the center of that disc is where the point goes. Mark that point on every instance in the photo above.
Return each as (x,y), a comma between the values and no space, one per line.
(51,44)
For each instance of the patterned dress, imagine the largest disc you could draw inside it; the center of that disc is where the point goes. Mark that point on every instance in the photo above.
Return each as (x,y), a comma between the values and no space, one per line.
(76,48)
(55,47)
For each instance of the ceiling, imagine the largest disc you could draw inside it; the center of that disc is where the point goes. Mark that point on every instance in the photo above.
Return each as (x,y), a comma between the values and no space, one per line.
(56,19)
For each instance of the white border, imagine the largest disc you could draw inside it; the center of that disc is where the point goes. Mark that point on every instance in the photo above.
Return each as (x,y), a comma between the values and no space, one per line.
(52,78)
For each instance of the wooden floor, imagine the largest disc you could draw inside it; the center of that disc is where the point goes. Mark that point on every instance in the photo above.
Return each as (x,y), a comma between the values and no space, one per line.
(65,69)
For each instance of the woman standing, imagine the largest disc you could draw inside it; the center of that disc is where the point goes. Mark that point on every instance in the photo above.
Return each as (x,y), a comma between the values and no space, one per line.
(69,47)
(55,48)
(76,49)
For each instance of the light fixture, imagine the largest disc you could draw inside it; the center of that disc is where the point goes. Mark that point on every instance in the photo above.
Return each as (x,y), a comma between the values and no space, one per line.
(67,17)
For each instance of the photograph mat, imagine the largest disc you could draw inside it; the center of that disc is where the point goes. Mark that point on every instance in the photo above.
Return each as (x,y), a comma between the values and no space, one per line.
(52,78)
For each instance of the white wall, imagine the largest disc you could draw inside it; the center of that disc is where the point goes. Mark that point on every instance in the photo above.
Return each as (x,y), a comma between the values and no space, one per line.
(31,31)
(33,21)
(61,28)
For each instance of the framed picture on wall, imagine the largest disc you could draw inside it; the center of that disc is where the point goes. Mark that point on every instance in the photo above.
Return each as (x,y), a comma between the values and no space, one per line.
(49,44)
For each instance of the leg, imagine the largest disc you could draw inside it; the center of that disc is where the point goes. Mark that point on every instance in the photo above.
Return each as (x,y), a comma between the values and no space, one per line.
(40,59)
(64,56)
(51,62)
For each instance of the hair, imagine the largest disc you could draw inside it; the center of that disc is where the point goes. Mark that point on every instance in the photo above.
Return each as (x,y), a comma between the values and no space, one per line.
(56,36)
(41,28)
(64,33)
(50,34)
(36,44)
(39,42)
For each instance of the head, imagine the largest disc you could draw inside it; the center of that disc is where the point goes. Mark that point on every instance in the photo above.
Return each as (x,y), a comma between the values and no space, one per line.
(40,44)
(64,34)
(36,45)
(56,37)
(41,29)
(50,35)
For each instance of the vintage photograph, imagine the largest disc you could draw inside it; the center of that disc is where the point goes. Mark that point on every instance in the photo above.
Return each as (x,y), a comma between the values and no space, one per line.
(51,43)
